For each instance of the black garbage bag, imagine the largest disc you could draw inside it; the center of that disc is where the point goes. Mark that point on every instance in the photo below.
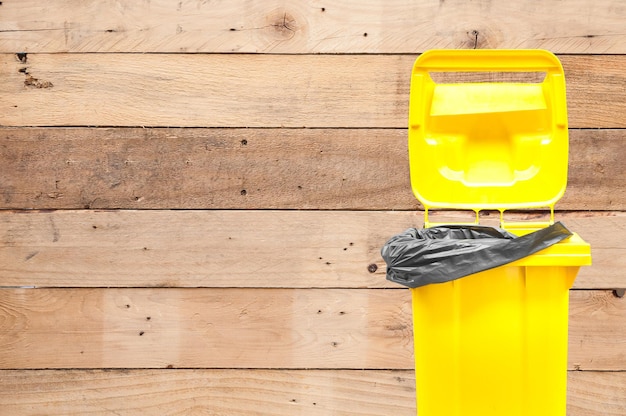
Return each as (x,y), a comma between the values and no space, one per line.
(419,257)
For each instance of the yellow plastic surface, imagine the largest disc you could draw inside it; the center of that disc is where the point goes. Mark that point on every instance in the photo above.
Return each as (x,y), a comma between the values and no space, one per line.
(492,145)
(493,343)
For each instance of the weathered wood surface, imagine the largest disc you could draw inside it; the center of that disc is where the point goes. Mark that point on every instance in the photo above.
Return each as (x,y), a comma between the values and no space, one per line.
(204,168)
(134,168)
(217,328)
(251,328)
(220,90)
(348,26)
(292,249)
(594,316)
(591,393)
(287,310)
(254,392)
(214,392)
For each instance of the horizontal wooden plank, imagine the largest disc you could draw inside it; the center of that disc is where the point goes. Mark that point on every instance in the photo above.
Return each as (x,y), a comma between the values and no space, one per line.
(372,26)
(251,328)
(360,169)
(214,392)
(254,392)
(292,249)
(216,328)
(204,168)
(282,249)
(221,90)
(597,329)
(596,158)
(596,393)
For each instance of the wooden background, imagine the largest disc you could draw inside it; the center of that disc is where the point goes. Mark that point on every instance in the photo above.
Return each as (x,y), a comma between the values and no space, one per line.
(199,191)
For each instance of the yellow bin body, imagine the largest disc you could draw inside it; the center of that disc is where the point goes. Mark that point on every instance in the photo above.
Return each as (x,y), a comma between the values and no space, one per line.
(493,343)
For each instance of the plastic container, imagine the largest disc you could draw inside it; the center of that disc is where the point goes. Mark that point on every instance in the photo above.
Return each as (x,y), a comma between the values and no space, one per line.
(493,343)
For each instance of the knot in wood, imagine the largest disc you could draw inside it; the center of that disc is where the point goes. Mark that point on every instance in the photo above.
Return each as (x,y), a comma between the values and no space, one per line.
(282,25)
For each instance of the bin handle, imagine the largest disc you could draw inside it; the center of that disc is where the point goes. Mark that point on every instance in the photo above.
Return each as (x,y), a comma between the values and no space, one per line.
(488,60)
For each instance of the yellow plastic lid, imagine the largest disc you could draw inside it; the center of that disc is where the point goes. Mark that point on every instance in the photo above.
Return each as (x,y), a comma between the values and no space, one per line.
(488,145)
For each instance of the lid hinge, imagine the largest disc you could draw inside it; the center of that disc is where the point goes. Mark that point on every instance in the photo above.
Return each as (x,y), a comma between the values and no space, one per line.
(519,227)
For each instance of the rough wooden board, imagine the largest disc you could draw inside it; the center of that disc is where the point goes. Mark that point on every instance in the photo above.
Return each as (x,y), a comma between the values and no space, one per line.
(254,392)
(592,313)
(195,248)
(589,81)
(596,393)
(220,90)
(204,168)
(373,26)
(597,169)
(253,169)
(292,249)
(200,328)
(204,90)
(214,392)
(251,328)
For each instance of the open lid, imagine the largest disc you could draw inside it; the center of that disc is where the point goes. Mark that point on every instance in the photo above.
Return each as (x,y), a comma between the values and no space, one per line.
(488,145)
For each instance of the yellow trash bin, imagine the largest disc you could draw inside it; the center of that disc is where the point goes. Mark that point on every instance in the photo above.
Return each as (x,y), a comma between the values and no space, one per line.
(493,343)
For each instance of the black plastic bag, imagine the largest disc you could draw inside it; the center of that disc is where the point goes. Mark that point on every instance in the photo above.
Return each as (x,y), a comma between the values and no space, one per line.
(440,254)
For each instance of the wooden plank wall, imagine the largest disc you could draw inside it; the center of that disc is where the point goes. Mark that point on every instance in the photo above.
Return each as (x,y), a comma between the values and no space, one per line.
(194,195)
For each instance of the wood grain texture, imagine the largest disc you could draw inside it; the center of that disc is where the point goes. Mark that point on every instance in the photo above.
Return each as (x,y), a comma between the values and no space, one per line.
(213,392)
(221,90)
(348,26)
(596,393)
(254,392)
(205,328)
(593,313)
(235,309)
(251,328)
(354,169)
(280,249)
(204,168)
